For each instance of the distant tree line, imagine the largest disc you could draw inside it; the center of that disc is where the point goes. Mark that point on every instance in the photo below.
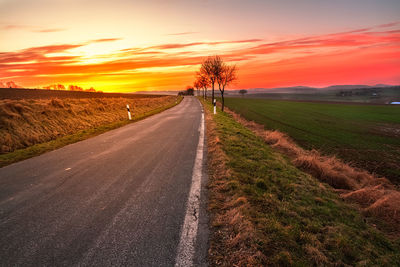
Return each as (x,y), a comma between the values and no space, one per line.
(189,91)
(243,92)
(69,88)
(9,84)
(360,92)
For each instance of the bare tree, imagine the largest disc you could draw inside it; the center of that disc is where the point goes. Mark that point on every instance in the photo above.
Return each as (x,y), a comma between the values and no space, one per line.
(226,77)
(212,68)
(197,85)
(203,82)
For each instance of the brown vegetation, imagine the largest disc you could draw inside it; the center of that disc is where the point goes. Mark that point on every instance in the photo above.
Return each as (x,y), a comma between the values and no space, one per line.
(24,123)
(375,196)
(21,93)
(233,234)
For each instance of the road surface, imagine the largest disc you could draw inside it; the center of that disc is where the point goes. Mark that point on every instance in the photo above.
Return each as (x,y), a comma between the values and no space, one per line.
(119,198)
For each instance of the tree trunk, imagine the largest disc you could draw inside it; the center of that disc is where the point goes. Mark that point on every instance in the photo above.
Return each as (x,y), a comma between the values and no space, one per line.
(222,96)
(223,101)
(212,100)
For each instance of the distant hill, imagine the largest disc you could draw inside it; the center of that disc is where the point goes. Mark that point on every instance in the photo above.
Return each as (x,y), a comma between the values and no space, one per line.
(380,94)
(156,92)
(310,90)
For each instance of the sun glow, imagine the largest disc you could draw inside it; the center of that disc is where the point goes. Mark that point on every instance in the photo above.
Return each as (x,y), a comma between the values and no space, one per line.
(152,46)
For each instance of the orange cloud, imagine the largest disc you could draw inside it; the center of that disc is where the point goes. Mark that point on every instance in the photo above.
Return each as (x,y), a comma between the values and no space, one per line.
(182,33)
(50,30)
(105,40)
(30,28)
(9,84)
(174,46)
(366,55)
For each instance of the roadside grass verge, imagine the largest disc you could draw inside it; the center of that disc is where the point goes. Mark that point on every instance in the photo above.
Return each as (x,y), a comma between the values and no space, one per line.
(377,198)
(37,149)
(264,211)
(366,136)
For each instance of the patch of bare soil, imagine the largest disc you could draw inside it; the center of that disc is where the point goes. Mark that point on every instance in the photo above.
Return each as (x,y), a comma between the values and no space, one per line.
(387,130)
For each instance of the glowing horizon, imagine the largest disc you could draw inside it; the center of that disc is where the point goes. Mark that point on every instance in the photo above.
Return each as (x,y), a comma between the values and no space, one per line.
(165,55)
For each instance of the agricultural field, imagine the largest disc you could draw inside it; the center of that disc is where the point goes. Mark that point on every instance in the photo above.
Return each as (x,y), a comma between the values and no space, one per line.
(31,126)
(360,95)
(366,136)
(267,212)
(18,93)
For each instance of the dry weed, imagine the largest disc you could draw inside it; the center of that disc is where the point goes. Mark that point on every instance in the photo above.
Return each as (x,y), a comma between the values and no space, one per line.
(24,123)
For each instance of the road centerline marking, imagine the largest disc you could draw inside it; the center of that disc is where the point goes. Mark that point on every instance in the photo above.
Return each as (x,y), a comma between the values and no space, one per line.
(186,247)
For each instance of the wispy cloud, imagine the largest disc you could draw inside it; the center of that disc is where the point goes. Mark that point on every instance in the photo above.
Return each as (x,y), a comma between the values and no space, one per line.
(31,28)
(182,33)
(50,30)
(322,44)
(15,27)
(105,40)
(387,25)
(297,59)
(175,46)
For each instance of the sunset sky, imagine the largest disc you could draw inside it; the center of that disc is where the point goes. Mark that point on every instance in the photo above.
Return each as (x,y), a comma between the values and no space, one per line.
(127,45)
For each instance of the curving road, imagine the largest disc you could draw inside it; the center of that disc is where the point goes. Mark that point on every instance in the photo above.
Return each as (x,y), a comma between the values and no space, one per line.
(116,199)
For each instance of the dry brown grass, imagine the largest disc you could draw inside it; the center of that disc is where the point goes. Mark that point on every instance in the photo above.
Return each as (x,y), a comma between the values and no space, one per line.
(24,123)
(376,196)
(232,239)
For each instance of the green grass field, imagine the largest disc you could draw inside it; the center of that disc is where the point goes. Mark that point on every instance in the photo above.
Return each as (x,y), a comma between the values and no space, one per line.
(361,95)
(296,220)
(367,136)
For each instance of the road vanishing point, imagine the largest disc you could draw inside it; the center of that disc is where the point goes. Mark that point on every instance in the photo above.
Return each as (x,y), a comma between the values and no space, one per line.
(133,196)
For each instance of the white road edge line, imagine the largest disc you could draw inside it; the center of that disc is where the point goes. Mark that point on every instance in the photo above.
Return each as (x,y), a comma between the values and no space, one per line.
(186,247)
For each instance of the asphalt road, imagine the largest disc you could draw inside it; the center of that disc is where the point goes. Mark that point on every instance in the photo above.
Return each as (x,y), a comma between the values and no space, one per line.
(115,199)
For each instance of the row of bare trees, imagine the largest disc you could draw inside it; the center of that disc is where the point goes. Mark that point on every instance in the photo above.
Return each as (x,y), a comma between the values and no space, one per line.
(213,71)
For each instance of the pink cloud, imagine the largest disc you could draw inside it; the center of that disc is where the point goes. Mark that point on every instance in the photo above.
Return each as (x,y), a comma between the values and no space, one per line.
(331,56)
(50,30)
(31,28)
(174,46)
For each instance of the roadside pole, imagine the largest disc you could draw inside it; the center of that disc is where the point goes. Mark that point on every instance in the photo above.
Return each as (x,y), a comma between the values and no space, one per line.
(129,112)
(215,106)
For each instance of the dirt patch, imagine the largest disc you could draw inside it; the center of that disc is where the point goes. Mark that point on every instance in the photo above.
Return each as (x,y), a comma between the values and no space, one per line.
(387,130)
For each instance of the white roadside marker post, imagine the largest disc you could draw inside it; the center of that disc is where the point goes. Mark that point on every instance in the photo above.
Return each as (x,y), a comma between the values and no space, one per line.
(215,106)
(129,112)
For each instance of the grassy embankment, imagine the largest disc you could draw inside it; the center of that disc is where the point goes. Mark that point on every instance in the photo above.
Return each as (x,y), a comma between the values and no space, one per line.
(366,136)
(267,212)
(30,127)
